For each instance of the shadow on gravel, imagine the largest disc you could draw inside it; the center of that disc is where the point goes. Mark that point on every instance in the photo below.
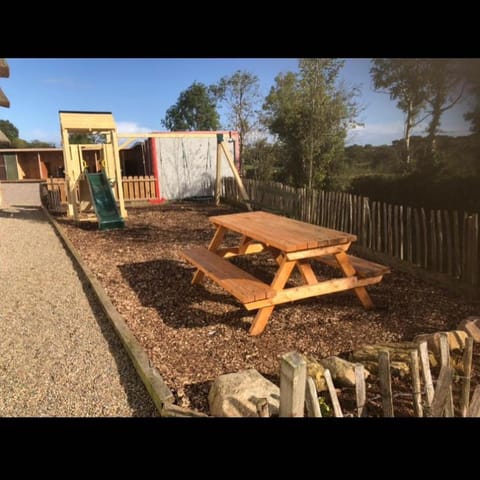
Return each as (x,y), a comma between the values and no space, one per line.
(21,212)
(165,285)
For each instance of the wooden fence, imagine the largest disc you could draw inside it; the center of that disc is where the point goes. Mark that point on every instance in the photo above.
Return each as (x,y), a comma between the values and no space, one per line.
(134,188)
(440,241)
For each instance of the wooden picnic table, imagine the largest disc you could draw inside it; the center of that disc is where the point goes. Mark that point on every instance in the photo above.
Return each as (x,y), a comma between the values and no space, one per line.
(293,244)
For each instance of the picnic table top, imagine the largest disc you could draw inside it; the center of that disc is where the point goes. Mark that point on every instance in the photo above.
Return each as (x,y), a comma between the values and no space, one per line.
(284,233)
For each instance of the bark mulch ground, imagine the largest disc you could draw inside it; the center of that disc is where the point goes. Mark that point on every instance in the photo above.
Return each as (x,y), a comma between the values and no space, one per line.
(195,333)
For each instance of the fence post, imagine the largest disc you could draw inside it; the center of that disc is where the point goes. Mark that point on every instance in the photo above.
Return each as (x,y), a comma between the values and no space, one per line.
(293,376)
(385,382)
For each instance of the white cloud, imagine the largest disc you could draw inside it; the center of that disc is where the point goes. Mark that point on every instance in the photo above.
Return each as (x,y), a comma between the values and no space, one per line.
(132,127)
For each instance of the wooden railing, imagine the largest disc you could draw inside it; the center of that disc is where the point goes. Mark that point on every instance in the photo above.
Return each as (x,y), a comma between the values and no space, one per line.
(440,241)
(134,188)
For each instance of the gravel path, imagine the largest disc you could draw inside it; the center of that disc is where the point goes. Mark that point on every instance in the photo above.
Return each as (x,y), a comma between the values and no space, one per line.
(59,356)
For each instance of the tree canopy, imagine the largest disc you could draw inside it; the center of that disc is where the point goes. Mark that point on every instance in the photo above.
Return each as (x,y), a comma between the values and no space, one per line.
(241,94)
(310,114)
(195,110)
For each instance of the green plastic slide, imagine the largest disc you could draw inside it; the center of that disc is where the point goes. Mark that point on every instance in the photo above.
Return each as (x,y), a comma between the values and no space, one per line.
(104,202)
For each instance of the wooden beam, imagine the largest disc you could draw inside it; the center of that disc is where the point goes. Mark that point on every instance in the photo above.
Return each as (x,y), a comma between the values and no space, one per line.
(218,176)
(307,291)
(318,252)
(238,179)
(214,243)
(249,249)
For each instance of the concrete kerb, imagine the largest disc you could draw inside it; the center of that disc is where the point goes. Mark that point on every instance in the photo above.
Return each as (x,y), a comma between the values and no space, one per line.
(161,395)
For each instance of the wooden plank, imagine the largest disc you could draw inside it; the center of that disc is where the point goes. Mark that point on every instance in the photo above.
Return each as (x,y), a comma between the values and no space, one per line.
(474,258)
(457,257)
(439,235)
(337,410)
(249,249)
(467,376)
(396,232)
(214,243)
(318,252)
(307,291)
(385,382)
(409,235)
(373,227)
(350,213)
(281,232)
(427,375)
(416,387)
(363,268)
(402,233)
(390,230)
(433,243)
(236,281)
(445,362)
(444,385)
(360,390)
(311,399)
(474,409)
(417,254)
(218,174)
(380,245)
(425,238)
(365,220)
(465,250)
(293,376)
(448,241)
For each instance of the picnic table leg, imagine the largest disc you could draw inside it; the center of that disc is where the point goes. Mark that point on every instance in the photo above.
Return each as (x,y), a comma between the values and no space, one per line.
(349,271)
(307,272)
(214,244)
(281,278)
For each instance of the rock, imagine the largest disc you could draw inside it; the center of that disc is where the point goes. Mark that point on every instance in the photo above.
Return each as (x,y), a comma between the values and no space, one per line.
(399,356)
(236,394)
(343,371)
(315,370)
(456,341)
(471,325)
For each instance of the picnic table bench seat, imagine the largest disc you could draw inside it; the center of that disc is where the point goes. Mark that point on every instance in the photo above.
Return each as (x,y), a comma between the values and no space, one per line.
(364,268)
(243,286)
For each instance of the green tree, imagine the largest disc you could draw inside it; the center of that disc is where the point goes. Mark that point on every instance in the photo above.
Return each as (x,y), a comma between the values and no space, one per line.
(241,94)
(195,110)
(404,81)
(86,138)
(469,70)
(444,89)
(260,160)
(9,129)
(40,144)
(310,114)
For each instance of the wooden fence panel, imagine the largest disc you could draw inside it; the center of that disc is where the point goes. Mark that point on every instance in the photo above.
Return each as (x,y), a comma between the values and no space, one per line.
(440,241)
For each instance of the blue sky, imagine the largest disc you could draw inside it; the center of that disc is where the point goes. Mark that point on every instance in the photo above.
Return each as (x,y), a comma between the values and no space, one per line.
(139,91)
